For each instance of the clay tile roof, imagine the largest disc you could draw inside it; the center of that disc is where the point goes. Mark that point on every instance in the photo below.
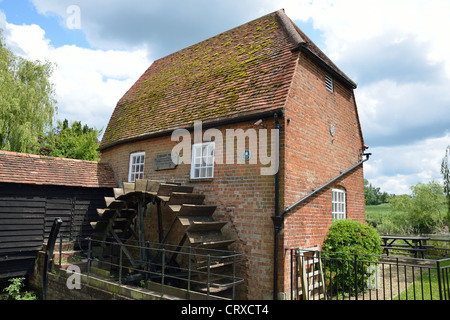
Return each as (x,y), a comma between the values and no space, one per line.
(33,169)
(246,70)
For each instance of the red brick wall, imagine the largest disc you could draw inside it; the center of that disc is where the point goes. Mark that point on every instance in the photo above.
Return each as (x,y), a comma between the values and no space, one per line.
(309,157)
(243,196)
(314,157)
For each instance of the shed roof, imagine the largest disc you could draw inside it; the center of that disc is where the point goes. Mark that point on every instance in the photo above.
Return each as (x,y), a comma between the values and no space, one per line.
(41,170)
(246,70)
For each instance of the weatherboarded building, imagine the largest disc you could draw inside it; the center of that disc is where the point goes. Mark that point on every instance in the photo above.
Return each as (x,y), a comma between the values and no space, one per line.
(252,84)
(34,191)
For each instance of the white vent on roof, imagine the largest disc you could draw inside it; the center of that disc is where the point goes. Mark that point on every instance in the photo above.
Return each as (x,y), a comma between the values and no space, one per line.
(329,83)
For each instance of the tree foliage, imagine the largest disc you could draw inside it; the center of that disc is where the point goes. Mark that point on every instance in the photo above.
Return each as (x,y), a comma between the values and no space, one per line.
(75,142)
(445,171)
(373,195)
(27,103)
(422,210)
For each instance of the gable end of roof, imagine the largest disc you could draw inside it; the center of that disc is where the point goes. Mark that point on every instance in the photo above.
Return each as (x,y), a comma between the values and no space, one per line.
(289,27)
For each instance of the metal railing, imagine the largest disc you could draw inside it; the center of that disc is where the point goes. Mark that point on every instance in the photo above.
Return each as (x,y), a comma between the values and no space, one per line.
(159,266)
(367,277)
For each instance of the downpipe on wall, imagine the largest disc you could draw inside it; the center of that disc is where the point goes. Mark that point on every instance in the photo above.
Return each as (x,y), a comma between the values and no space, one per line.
(278,218)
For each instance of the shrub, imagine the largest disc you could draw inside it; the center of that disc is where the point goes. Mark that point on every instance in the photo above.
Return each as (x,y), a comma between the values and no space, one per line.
(14,290)
(350,248)
(423,208)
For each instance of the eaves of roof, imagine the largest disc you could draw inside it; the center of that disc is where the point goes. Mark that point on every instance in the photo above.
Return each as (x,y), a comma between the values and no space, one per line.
(42,170)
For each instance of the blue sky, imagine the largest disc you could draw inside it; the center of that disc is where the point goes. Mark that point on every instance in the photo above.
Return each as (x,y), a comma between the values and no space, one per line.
(20,12)
(395,50)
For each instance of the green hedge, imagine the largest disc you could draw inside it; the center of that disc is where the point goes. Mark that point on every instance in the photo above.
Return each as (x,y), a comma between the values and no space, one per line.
(349,272)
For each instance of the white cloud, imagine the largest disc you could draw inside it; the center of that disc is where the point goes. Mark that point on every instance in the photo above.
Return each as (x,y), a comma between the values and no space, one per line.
(394,113)
(345,23)
(88,83)
(164,26)
(395,168)
(395,50)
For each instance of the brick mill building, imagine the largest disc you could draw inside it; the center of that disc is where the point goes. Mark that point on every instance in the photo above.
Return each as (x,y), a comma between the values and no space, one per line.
(264,74)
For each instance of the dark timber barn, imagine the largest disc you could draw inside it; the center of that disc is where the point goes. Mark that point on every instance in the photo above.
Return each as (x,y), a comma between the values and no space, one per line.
(34,190)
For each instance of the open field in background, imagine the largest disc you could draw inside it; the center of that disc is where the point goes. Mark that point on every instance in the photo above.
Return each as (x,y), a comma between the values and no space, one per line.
(376,212)
(387,221)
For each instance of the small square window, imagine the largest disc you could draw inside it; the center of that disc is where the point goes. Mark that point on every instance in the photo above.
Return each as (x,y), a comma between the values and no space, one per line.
(136,171)
(329,83)
(202,165)
(338,203)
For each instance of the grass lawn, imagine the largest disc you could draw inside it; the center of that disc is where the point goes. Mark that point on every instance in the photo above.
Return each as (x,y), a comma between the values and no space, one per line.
(426,287)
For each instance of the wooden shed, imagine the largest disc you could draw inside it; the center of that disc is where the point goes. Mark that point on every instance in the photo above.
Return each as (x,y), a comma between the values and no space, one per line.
(34,190)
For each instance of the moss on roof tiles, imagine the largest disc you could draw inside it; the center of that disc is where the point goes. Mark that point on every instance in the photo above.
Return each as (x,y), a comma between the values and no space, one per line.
(216,78)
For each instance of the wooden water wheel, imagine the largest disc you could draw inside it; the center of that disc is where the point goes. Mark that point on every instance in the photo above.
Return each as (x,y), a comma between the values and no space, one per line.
(174,218)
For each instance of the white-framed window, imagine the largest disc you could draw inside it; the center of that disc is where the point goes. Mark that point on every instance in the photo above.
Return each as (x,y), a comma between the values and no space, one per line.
(136,170)
(202,165)
(338,201)
(329,82)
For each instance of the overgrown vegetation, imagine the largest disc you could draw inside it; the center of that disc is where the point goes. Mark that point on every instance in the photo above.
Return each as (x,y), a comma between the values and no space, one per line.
(344,239)
(70,141)
(425,211)
(422,212)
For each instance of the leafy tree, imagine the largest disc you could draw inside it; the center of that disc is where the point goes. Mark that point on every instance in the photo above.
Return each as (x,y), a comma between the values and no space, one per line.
(445,171)
(27,103)
(75,142)
(373,195)
(422,208)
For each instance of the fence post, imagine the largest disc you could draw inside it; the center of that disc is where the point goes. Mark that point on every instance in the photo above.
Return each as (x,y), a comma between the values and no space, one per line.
(292,274)
(89,259)
(355,266)
(147,246)
(189,273)
(398,278)
(297,263)
(438,269)
(234,275)
(60,252)
(120,266)
(163,270)
(209,275)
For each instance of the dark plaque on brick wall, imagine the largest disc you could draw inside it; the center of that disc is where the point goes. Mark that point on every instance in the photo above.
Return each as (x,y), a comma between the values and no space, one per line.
(164,162)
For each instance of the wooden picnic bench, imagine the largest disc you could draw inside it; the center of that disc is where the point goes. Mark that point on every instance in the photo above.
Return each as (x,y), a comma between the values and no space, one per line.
(413,244)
